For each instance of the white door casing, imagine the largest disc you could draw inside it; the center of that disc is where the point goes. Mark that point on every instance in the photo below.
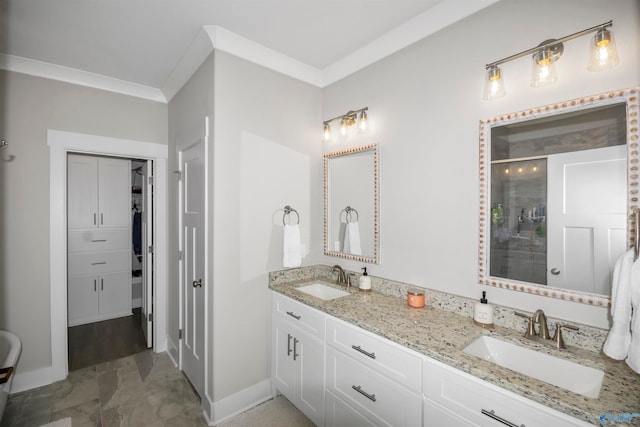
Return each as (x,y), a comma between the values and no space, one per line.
(586,217)
(60,143)
(148,253)
(193,244)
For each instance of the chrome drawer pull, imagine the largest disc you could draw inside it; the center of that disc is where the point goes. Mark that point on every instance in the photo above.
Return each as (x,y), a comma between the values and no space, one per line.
(492,414)
(371,397)
(99,263)
(98,240)
(289,336)
(366,353)
(290,313)
(295,344)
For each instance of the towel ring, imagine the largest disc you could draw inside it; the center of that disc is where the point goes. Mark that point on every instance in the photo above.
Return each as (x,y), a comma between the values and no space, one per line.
(348,210)
(287,211)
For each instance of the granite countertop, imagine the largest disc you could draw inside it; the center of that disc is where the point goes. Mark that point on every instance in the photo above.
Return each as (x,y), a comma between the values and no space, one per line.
(442,335)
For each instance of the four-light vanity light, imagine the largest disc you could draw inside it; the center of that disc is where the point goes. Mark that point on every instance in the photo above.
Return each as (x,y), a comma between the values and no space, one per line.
(346,120)
(603,55)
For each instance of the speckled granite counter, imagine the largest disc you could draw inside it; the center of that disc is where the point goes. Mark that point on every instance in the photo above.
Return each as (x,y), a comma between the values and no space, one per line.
(442,335)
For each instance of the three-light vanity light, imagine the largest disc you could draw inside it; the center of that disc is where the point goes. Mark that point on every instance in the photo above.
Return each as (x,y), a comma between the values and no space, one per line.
(347,120)
(603,55)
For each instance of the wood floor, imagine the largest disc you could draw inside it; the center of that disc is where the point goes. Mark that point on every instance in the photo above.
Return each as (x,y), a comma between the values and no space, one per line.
(99,342)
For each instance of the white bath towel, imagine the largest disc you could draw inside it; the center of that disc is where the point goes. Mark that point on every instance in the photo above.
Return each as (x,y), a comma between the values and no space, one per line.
(617,343)
(633,356)
(291,246)
(352,239)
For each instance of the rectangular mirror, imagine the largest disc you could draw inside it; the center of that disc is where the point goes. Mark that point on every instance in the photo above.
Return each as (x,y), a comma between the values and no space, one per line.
(558,185)
(351,200)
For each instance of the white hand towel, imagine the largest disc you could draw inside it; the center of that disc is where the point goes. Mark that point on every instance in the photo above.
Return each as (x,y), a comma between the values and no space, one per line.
(633,356)
(617,343)
(352,239)
(291,246)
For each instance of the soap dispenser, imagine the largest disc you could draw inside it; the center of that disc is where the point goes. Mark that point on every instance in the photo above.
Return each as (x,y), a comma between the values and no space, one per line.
(483,312)
(365,281)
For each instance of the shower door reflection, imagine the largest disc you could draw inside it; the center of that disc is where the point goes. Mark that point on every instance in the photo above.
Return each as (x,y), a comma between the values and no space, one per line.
(518,220)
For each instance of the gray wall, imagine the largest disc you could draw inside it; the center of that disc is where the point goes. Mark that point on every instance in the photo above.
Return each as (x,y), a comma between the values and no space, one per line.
(267,154)
(29,106)
(424,107)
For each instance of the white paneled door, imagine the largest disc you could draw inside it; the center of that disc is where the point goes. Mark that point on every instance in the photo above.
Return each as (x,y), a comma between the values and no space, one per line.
(192,238)
(586,217)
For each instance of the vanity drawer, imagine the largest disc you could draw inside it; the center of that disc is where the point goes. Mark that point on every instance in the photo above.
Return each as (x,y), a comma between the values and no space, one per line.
(307,318)
(398,363)
(99,240)
(371,393)
(467,396)
(99,262)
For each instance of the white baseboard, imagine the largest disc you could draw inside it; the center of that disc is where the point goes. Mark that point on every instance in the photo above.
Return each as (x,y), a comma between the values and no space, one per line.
(172,351)
(238,402)
(24,381)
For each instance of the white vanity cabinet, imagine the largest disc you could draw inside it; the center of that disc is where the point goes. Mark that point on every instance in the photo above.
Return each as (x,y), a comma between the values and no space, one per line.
(370,380)
(297,359)
(454,398)
(99,240)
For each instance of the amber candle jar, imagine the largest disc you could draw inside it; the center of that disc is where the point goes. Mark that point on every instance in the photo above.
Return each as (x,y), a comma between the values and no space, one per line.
(415,298)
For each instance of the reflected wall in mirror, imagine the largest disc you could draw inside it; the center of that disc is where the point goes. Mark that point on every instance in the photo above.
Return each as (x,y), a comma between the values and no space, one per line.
(351,204)
(558,185)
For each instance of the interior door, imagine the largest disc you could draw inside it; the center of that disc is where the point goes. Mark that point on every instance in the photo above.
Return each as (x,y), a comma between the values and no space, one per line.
(586,217)
(192,242)
(148,254)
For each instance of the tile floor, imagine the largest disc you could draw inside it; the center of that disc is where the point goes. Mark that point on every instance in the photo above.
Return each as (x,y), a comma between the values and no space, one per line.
(144,389)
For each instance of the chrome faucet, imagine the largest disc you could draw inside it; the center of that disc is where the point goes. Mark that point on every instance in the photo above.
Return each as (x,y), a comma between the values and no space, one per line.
(342,277)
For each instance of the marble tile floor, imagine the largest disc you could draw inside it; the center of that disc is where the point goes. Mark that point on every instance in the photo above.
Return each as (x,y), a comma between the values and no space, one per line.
(144,389)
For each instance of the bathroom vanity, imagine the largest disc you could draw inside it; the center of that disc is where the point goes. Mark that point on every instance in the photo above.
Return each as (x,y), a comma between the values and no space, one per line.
(369,359)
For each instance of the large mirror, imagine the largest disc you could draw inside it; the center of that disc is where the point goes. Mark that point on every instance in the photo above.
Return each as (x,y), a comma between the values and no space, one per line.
(558,186)
(351,200)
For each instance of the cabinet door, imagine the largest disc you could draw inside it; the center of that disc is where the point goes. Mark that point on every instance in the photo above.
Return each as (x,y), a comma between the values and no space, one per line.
(114,192)
(339,414)
(82,298)
(282,364)
(82,192)
(115,293)
(309,359)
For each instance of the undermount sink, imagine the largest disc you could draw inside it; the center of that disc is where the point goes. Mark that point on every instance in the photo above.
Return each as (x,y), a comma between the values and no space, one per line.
(553,370)
(322,291)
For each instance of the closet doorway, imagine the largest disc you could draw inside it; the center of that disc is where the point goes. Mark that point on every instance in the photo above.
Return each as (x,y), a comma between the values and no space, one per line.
(110,271)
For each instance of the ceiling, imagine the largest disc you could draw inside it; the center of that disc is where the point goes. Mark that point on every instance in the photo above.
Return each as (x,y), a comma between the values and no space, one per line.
(142,42)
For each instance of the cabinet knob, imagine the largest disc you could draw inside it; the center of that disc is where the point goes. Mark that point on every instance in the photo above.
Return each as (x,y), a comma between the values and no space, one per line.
(197,283)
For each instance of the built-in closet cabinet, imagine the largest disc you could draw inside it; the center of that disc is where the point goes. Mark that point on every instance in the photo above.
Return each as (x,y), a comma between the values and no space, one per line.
(98,239)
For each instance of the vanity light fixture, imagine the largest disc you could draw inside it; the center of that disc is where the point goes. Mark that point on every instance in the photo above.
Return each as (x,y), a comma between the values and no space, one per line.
(603,55)
(346,120)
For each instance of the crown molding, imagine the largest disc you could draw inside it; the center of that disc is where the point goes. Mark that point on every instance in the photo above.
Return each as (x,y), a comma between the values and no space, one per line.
(232,43)
(212,37)
(47,70)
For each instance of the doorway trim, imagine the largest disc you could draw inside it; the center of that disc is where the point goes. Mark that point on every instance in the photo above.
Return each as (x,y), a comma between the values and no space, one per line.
(60,143)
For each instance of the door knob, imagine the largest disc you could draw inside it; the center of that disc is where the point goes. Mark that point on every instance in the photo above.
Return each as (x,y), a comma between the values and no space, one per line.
(197,283)
(555,271)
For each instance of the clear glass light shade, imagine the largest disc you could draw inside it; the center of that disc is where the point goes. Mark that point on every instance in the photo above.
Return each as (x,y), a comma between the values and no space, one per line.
(327,133)
(603,53)
(544,69)
(494,84)
(343,127)
(363,124)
